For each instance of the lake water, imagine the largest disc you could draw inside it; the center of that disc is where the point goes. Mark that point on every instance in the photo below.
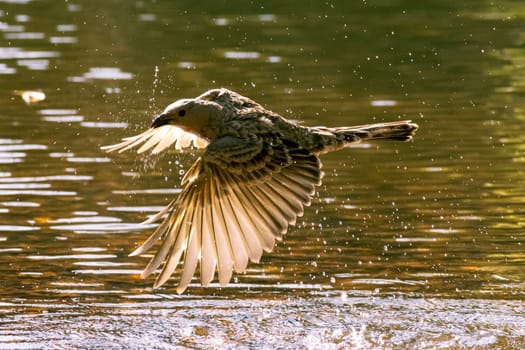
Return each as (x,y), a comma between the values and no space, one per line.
(406,245)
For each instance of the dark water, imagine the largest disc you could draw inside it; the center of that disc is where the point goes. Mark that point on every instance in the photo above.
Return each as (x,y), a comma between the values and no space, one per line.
(417,245)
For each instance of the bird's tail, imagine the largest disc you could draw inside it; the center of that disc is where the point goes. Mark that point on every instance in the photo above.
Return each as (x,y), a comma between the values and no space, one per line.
(344,136)
(399,131)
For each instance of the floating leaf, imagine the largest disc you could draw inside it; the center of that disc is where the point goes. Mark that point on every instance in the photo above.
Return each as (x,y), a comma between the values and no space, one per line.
(30,96)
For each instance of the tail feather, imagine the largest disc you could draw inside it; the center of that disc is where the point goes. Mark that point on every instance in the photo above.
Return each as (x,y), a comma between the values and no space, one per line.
(333,139)
(398,131)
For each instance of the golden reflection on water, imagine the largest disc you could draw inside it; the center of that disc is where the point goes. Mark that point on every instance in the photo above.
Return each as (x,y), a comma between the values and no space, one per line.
(405,245)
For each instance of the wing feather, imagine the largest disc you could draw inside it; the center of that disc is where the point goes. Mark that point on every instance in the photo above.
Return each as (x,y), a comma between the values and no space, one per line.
(222,241)
(240,248)
(161,213)
(182,242)
(261,224)
(237,200)
(150,242)
(209,258)
(193,254)
(158,139)
(269,212)
(242,214)
(159,256)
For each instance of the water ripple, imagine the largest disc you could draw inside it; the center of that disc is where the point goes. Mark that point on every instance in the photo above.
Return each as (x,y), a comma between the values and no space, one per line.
(143,209)
(21,204)
(14,228)
(11,160)
(46,178)
(89,159)
(71,256)
(242,55)
(66,27)
(18,53)
(4,69)
(23,186)
(104,227)
(149,191)
(102,73)
(57,111)
(22,147)
(63,40)
(7,155)
(105,125)
(63,118)
(102,263)
(24,35)
(108,271)
(37,193)
(101,219)
(10,141)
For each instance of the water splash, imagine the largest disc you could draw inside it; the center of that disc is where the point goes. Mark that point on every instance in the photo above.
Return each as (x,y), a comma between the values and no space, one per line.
(152,101)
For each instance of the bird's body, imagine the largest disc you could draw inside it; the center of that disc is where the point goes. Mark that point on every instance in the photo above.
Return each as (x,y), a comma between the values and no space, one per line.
(256,174)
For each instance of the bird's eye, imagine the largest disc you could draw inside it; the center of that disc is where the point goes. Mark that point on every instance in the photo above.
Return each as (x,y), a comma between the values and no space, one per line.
(182,113)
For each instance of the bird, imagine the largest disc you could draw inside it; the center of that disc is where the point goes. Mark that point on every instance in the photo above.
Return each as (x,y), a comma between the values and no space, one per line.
(256,173)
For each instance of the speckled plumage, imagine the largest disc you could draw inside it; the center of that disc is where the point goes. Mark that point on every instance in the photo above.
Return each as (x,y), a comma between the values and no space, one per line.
(256,174)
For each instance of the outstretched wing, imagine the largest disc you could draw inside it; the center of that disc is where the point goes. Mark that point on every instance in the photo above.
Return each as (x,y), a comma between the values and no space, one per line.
(237,199)
(159,139)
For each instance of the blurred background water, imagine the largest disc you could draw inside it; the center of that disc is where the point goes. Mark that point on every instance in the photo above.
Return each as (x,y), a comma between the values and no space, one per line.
(413,245)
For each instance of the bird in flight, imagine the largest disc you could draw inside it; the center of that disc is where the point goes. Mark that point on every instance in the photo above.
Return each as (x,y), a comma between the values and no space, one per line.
(256,174)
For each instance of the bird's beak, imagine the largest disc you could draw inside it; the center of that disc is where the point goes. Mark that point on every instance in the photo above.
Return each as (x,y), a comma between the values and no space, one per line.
(160,120)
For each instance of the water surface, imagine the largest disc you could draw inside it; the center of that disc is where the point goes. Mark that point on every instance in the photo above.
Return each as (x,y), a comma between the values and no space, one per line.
(413,245)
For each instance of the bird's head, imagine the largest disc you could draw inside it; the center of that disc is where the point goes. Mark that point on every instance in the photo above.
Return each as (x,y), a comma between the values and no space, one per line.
(199,115)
